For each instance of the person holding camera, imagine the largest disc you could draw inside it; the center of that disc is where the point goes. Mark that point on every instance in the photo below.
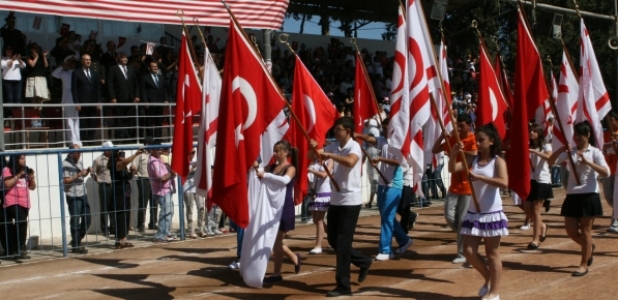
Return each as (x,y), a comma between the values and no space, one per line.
(18,182)
(75,190)
(121,185)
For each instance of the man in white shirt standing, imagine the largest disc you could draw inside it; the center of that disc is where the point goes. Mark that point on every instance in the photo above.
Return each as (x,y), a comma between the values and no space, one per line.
(345,205)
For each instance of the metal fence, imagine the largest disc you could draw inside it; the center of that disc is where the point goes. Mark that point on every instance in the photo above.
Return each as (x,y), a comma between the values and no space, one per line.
(49,125)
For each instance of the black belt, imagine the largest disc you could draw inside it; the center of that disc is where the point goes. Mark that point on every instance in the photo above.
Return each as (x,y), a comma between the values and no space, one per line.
(105,183)
(143,178)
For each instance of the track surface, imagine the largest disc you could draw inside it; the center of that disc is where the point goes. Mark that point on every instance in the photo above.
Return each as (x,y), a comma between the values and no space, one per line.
(197,269)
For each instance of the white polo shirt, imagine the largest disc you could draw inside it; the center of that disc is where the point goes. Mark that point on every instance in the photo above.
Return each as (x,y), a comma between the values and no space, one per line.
(541,168)
(587,176)
(349,179)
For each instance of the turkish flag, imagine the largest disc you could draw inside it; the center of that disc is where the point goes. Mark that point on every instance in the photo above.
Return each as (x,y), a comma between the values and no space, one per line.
(365,104)
(491,102)
(531,92)
(207,135)
(252,102)
(188,100)
(316,114)
(508,95)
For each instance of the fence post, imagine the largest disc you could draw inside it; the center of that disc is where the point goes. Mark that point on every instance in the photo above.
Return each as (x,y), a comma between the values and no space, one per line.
(65,252)
(181,208)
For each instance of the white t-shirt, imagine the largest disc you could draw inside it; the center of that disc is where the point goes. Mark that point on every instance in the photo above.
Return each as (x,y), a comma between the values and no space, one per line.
(587,176)
(349,179)
(541,168)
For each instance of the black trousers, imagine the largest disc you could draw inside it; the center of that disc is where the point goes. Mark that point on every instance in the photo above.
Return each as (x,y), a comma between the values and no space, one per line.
(144,194)
(106,200)
(16,229)
(341,226)
(404,207)
(122,205)
(125,122)
(154,121)
(88,121)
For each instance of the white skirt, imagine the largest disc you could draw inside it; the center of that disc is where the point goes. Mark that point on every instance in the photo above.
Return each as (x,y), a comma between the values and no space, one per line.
(485,224)
(37,87)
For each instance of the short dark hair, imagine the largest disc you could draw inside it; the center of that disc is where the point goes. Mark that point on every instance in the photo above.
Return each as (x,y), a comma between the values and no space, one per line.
(346,123)
(613,114)
(584,128)
(386,121)
(464,118)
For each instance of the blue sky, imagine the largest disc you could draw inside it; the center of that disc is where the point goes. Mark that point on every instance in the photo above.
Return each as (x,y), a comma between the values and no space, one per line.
(369,31)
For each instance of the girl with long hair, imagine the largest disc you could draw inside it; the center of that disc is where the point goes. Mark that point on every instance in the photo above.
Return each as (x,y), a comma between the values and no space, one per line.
(540,184)
(582,203)
(283,173)
(320,198)
(488,174)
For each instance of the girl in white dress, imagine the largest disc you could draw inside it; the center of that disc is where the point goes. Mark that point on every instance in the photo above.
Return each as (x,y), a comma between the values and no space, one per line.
(320,198)
(488,175)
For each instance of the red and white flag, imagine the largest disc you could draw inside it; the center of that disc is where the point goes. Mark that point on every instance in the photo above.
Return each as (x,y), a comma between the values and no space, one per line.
(593,102)
(566,104)
(252,102)
(365,104)
(433,131)
(211,97)
(399,126)
(316,114)
(530,93)
(491,103)
(188,101)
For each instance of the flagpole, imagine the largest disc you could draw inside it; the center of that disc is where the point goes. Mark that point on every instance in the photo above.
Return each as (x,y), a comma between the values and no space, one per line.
(287,104)
(464,160)
(554,108)
(181,14)
(206,50)
(373,94)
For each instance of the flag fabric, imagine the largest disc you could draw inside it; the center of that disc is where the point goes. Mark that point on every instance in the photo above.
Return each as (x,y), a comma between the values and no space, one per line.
(508,95)
(211,97)
(530,92)
(252,102)
(188,100)
(433,131)
(364,97)
(316,114)
(421,68)
(491,102)
(593,101)
(566,104)
(399,126)
(251,14)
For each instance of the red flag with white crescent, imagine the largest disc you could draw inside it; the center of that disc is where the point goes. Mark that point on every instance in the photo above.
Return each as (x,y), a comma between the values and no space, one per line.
(491,103)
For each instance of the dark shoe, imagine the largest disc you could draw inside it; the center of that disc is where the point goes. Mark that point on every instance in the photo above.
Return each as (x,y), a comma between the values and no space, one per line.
(298,263)
(79,250)
(362,275)
(579,274)
(532,246)
(337,293)
(591,259)
(412,220)
(544,235)
(23,255)
(141,229)
(547,205)
(273,279)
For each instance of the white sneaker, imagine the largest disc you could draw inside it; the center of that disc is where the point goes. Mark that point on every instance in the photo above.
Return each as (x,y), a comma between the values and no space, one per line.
(218,232)
(612,229)
(525,227)
(234,265)
(405,247)
(315,251)
(460,259)
(384,256)
(483,290)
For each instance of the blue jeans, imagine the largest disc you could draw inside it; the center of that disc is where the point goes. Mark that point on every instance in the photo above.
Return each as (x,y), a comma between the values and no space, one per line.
(79,209)
(555,175)
(240,233)
(12,94)
(388,201)
(166,212)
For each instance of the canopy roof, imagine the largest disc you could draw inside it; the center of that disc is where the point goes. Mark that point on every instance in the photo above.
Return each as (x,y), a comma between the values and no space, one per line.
(251,14)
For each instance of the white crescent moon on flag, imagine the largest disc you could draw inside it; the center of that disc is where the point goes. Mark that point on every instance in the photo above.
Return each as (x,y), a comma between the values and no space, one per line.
(494,105)
(311,111)
(247,91)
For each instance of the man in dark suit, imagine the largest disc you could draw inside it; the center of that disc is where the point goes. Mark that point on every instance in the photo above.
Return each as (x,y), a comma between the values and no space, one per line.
(108,58)
(154,90)
(86,88)
(123,87)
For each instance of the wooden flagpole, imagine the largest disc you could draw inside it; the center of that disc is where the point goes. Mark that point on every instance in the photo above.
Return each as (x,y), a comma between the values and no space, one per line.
(304,131)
